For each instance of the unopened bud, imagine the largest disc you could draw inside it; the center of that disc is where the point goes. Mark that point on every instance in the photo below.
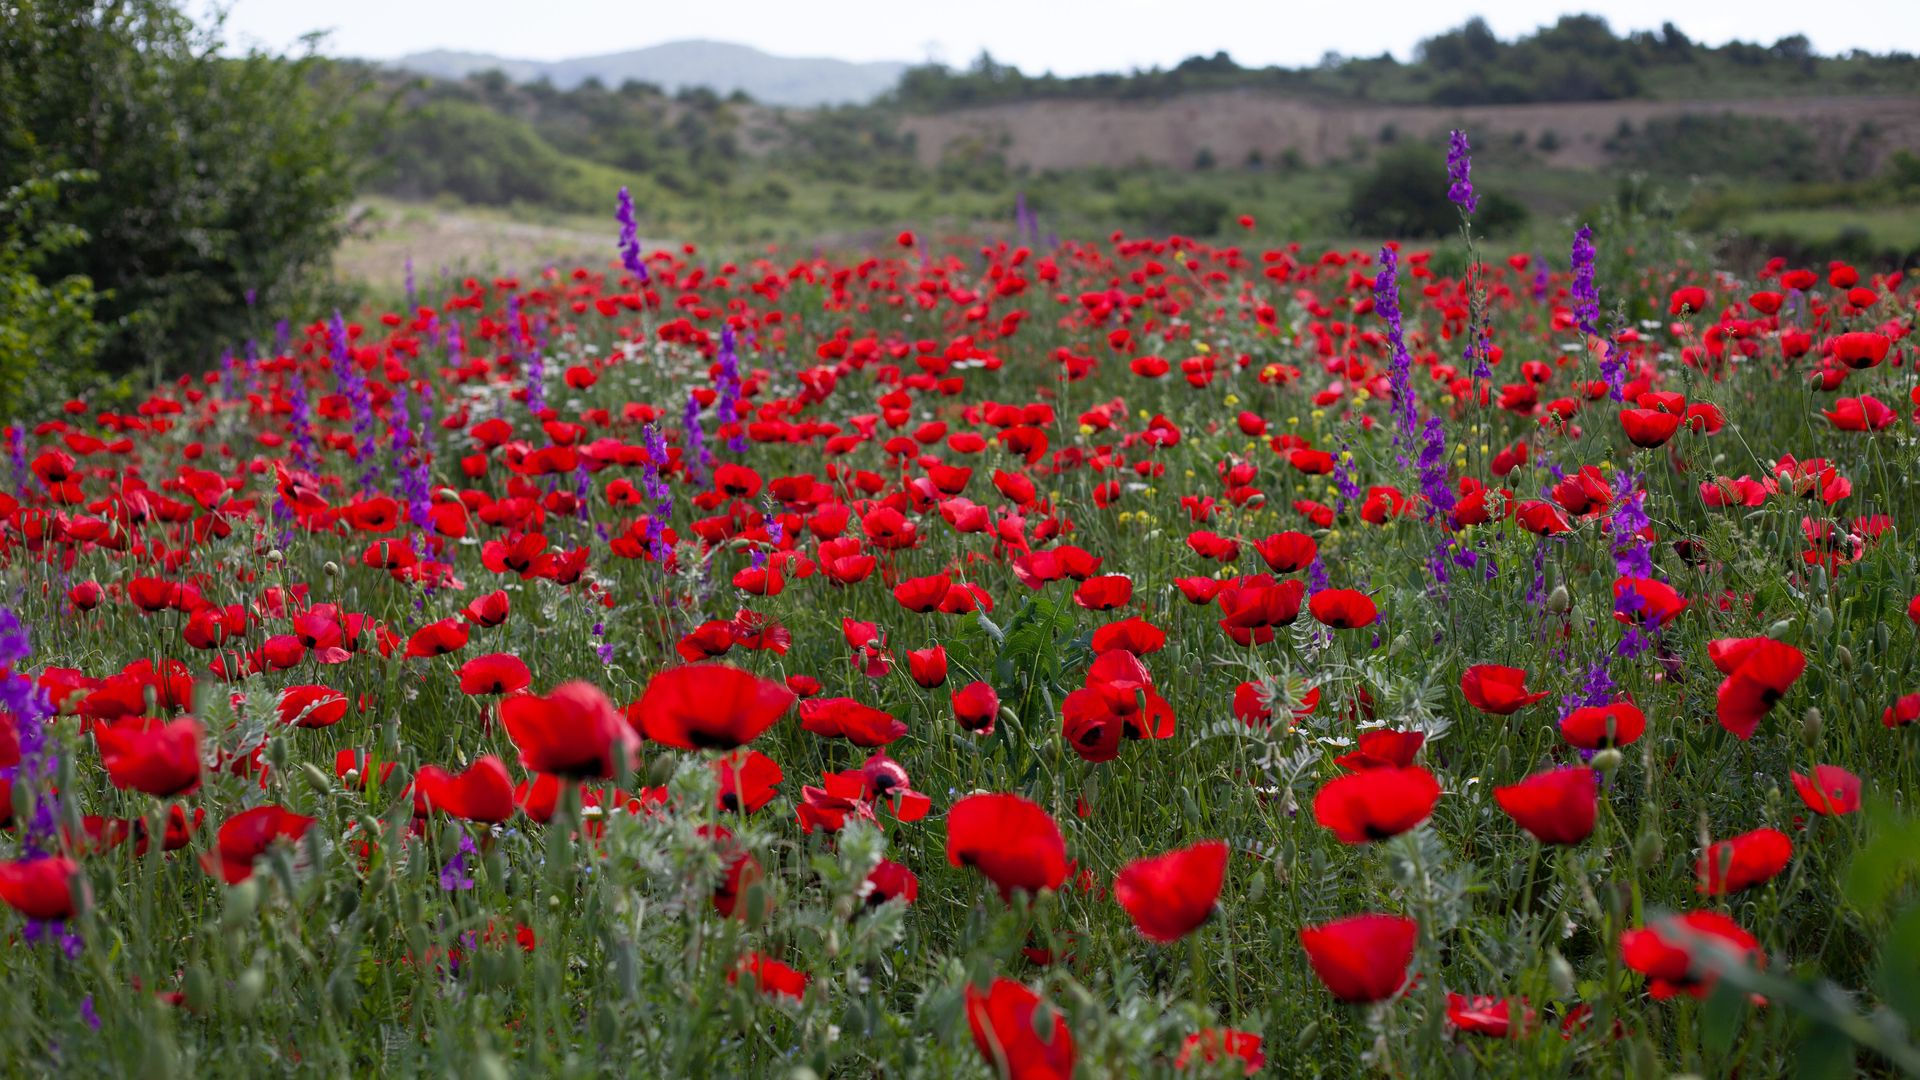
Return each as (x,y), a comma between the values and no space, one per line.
(1559,601)
(1607,760)
(332,568)
(1810,724)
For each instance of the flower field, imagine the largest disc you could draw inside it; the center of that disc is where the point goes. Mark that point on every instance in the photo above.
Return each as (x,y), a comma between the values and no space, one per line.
(1124,657)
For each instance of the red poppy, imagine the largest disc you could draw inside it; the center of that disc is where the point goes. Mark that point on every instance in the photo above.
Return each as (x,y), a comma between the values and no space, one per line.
(708,707)
(311,706)
(1287,552)
(1343,609)
(1382,748)
(923,594)
(1362,958)
(1169,896)
(1905,710)
(246,836)
(1557,806)
(890,880)
(1483,1014)
(1374,804)
(41,888)
(494,673)
(1648,428)
(483,792)
(748,780)
(1743,861)
(571,732)
(1006,1022)
(159,759)
(489,610)
(438,639)
(1759,672)
(1134,635)
(1496,689)
(1012,842)
(975,706)
(1595,727)
(1104,593)
(1830,792)
(1665,951)
(770,976)
(1213,1046)
(845,718)
(1646,600)
(928,666)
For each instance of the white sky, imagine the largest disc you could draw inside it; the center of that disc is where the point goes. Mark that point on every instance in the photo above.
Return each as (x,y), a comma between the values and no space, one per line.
(1069,37)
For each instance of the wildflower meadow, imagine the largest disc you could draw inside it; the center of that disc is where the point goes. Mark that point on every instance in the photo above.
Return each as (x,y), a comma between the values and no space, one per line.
(985,656)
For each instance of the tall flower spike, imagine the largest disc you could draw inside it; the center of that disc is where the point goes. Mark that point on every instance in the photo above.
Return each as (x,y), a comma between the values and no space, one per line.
(1460,173)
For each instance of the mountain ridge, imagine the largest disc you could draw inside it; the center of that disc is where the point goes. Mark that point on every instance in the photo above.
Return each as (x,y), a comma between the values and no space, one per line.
(723,67)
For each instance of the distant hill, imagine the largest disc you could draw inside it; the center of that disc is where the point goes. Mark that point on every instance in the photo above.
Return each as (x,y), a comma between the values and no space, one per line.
(716,65)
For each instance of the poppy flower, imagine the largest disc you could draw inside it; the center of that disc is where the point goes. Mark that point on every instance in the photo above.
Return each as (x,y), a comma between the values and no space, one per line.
(1362,958)
(40,888)
(1670,952)
(1743,861)
(921,595)
(483,792)
(1383,748)
(770,976)
(748,780)
(1374,804)
(1497,689)
(1343,609)
(494,673)
(889,880)
(1104,593)
(975,706)
(1169,896)
(1287,552)
(1135,635)
(928,666)
(845,718)
(572,732)
(246,836)
(1214,1046)
(438,639)
(489,610)
(1484,1014)
(1648,601)
(1557,806)
(1006,1022)
(1830,792)
(1012,842)
(159,759)
(1905,710)
(708,707)
(1759,672)
(1596,727)
(311,706)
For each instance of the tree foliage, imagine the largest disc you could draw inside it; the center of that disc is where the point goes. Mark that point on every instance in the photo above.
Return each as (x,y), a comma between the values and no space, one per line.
(219,177)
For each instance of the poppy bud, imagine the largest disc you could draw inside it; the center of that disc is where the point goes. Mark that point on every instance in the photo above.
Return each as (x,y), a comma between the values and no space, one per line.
(241,901)
(248,989)
(276,750)
(1607,760)
(1560,974)
(1502,762)
(319,781)
(198,987)
(1844,655)
(757,905)
(659,771)
(1780,629)
(1811,722)
(1823,621)
(1400,642)
(1646,850)
(332,569)
(1559,601)
(276,555)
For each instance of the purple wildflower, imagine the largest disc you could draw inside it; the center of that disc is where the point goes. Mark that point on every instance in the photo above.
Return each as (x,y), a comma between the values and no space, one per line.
(729,405)
(698,456)
(630,238)
(1586,295)
(1386,301)
(659,495)
(454,876)
(1460,173)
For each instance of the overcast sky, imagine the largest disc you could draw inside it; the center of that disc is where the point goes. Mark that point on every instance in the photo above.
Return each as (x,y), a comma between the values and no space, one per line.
(1066,36)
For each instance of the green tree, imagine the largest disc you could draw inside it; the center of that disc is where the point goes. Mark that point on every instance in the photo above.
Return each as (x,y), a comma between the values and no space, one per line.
(219,177)
(44,325)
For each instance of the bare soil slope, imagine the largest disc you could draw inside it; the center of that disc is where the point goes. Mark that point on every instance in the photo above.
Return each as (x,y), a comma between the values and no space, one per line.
(1233,124)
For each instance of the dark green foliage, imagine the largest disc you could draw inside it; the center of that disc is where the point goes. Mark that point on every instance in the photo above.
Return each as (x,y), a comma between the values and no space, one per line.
(1185,212)
(216,174)
(43,323)
(1759,147)
(1405,194)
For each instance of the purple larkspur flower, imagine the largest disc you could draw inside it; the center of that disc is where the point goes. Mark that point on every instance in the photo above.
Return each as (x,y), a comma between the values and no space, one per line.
(630,238)
(1386,302)
(659,496)
(1586,295)
(1460,173)
(454,876)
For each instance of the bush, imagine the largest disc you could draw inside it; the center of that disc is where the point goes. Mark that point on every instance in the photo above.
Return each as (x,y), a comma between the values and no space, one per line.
(218,175)
(1189,213)
(44,325)
(1405,194)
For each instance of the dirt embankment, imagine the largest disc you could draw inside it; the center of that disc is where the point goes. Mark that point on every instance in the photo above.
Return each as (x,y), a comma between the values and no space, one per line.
(1233,125)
